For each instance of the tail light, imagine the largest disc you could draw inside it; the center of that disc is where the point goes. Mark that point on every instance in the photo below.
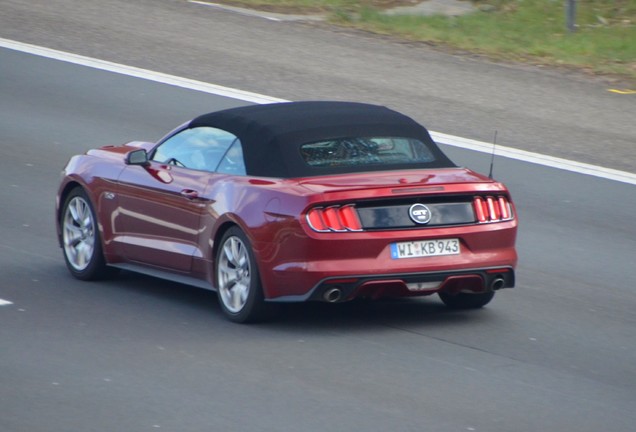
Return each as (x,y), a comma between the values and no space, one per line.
(492,209)
(334,218)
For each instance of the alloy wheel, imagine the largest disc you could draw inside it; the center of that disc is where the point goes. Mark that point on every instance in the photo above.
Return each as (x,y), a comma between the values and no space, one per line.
(234,274)
(78,231)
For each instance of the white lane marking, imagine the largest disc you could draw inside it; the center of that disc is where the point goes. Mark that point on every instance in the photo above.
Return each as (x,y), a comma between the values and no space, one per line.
(5,302)
(536,158)
(466,143)
(138,73)
(271,16)
(239,11)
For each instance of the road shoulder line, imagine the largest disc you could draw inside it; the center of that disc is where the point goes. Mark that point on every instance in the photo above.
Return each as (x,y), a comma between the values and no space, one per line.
(442,138)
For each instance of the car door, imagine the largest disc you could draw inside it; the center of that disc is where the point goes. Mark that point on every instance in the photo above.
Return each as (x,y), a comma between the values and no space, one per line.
(161,204)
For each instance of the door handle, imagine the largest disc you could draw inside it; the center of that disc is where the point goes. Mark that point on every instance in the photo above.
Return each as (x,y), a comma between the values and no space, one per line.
(189,193)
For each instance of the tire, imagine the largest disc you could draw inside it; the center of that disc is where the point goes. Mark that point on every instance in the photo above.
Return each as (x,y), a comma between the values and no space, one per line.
(238,280)
(466,300)
(81,242)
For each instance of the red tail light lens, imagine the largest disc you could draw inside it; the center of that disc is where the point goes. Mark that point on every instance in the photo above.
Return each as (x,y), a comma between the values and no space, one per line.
(481,210)
(316,222)
(492,209)
(331,217)
(349,218)
(335,218)
(504,207)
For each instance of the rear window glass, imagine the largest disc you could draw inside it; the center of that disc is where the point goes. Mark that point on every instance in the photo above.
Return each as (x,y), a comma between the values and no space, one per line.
(362,151)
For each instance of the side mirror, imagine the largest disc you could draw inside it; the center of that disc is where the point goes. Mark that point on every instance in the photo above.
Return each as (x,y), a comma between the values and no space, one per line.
(137,157)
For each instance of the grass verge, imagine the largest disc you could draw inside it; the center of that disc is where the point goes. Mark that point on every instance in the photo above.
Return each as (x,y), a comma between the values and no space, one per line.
(532,31)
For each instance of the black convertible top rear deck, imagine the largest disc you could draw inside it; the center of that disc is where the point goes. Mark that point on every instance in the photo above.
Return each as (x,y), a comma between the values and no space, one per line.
(271,134)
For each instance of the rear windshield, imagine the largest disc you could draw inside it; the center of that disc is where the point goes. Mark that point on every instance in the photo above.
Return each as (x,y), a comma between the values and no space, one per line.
(362,151)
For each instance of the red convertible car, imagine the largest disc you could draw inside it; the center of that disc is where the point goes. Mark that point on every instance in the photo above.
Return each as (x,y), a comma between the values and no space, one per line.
(291,202)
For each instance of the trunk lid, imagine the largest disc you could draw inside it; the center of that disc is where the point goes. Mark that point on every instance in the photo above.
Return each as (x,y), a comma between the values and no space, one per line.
(433,180)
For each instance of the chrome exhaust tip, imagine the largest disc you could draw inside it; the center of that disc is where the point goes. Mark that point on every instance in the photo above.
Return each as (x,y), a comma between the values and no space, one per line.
(497,283)
(332,295)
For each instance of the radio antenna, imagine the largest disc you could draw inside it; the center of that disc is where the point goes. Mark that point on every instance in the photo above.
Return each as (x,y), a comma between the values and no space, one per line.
(492,159)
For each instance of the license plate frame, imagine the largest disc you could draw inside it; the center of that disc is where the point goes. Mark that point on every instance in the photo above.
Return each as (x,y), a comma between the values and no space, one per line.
(425,248)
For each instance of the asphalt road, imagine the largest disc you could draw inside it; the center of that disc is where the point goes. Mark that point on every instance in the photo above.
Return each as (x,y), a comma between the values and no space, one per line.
(559,113)
(135,353)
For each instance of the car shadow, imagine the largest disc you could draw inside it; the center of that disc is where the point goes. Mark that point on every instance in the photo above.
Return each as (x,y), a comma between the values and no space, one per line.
(391,312)
(388,312)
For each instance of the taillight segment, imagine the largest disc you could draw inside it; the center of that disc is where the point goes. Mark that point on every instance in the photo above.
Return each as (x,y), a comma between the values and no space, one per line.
(334,218)
(492,209)
(345,218)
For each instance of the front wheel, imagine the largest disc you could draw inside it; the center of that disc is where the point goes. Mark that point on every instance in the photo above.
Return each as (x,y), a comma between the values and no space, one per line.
(237,279)
(80,237)
(466,300)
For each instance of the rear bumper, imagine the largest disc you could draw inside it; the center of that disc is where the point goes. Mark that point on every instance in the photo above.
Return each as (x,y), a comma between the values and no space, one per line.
(339,289)
(301,268)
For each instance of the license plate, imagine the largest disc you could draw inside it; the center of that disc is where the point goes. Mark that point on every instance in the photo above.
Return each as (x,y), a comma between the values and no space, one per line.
(424,248)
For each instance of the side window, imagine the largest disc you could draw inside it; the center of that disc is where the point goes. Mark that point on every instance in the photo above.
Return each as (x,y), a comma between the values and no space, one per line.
(199,148)
(232,162)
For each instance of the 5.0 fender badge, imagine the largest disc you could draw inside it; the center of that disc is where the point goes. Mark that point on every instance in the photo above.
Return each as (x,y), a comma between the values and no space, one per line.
(420,214)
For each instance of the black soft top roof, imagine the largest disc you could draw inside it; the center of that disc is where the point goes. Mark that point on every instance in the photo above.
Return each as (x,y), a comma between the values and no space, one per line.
(271,134)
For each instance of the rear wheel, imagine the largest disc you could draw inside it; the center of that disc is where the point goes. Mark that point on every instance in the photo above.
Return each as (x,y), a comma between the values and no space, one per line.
(80,237)
(467,300)
(237,279)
